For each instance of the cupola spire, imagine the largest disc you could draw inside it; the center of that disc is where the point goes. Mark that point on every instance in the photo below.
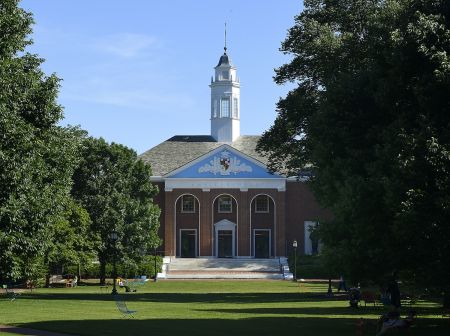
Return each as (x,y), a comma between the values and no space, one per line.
(225,45)
(225,99)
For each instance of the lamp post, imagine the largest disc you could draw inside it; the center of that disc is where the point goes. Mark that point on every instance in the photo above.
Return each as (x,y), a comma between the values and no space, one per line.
(330,290)
(294,245)
(113,237)
(156,272)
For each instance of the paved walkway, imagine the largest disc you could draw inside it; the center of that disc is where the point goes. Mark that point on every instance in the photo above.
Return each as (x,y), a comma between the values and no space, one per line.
(27,331)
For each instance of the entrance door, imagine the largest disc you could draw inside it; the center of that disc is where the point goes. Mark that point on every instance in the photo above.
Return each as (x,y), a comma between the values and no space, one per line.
(225,244)
(188,243)
(262,243)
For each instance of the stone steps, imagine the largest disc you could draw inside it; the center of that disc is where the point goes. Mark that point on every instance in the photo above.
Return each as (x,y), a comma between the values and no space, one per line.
(214,268)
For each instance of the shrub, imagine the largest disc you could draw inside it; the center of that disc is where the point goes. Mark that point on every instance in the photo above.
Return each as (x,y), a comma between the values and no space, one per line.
(310,267)
(126,269)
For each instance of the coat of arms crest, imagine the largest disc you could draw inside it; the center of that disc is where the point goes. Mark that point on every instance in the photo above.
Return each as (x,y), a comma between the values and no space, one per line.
(225,165)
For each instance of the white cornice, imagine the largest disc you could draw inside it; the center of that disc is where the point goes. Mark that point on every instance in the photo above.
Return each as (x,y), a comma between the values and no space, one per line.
(242,184)
(297,179)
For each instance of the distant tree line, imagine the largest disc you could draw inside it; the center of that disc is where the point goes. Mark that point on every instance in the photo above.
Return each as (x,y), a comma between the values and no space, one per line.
(61,191)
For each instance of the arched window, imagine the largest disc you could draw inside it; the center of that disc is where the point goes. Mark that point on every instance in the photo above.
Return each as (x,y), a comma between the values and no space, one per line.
(187,204)
(262,204)
(225,204)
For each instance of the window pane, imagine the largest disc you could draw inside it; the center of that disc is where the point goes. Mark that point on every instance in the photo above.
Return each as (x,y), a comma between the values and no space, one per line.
(235,108)
(225,204)
(262,204)
(188,204)
(215,108)
(225,75)
(225,108)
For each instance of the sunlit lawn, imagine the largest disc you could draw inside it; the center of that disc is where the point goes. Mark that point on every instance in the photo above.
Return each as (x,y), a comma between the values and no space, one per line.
(205,308)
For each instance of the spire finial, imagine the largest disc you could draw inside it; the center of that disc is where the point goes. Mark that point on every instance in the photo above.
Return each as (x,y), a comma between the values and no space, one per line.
(225,48)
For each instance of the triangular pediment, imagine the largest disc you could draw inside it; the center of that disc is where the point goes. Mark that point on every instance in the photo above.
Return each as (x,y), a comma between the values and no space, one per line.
(224,162)
(225,224)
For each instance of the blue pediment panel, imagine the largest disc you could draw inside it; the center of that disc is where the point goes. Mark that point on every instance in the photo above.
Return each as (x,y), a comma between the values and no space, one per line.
(224,162)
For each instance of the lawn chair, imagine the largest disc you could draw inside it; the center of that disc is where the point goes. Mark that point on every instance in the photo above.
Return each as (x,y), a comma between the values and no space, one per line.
(72,282)
(369,297)
(122,306)
(140,280)
(30,285)
(10,293)
(137,282)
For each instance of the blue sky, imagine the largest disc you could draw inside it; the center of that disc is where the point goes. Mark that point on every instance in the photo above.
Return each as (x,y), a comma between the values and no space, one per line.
(137,72)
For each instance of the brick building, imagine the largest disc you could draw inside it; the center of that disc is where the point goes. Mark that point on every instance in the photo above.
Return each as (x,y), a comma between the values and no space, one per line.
(218,198)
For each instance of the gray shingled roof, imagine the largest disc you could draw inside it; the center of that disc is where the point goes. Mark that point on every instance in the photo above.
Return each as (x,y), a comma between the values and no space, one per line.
(182,149)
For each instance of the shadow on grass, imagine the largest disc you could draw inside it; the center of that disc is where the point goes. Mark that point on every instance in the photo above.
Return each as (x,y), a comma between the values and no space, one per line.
(323,311)
(246,327)
(327,312)
(230,298)
(188,297)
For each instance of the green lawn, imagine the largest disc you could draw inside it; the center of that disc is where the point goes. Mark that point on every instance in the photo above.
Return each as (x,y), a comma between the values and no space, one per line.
(205,308)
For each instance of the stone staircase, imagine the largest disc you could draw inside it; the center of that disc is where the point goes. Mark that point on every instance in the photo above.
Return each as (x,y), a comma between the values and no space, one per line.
(214,268)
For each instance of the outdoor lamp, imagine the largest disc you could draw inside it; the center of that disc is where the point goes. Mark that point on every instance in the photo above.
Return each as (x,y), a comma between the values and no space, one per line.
(294,245)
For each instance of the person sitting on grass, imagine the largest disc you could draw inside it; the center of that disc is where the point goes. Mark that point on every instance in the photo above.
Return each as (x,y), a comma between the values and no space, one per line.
(124,284)
(392,321)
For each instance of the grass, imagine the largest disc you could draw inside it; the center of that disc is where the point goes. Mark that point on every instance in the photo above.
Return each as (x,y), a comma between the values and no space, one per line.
(205,308)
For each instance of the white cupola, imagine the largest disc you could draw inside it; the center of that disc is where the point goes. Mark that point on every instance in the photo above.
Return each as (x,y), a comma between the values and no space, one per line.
(225,101)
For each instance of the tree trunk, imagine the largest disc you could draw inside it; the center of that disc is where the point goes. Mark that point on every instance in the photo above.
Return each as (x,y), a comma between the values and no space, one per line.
(102,261)
(79,272)
(47,280)
(446,302)
(47,274)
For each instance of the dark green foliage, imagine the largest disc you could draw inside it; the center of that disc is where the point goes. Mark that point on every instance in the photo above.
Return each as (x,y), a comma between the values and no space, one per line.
(370,116)
(70,240)
(37,157)
(311,267)
(115,188)
(145,267)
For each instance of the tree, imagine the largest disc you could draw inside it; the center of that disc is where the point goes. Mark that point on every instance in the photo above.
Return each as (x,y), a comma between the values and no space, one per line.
(115,188)
(369,117)
(37,157)
(70,240)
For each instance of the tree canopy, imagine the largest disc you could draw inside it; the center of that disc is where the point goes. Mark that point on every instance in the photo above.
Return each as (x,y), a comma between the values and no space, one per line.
(115,188)
(37,157)
(370,117)
(61,193)
(69,240)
